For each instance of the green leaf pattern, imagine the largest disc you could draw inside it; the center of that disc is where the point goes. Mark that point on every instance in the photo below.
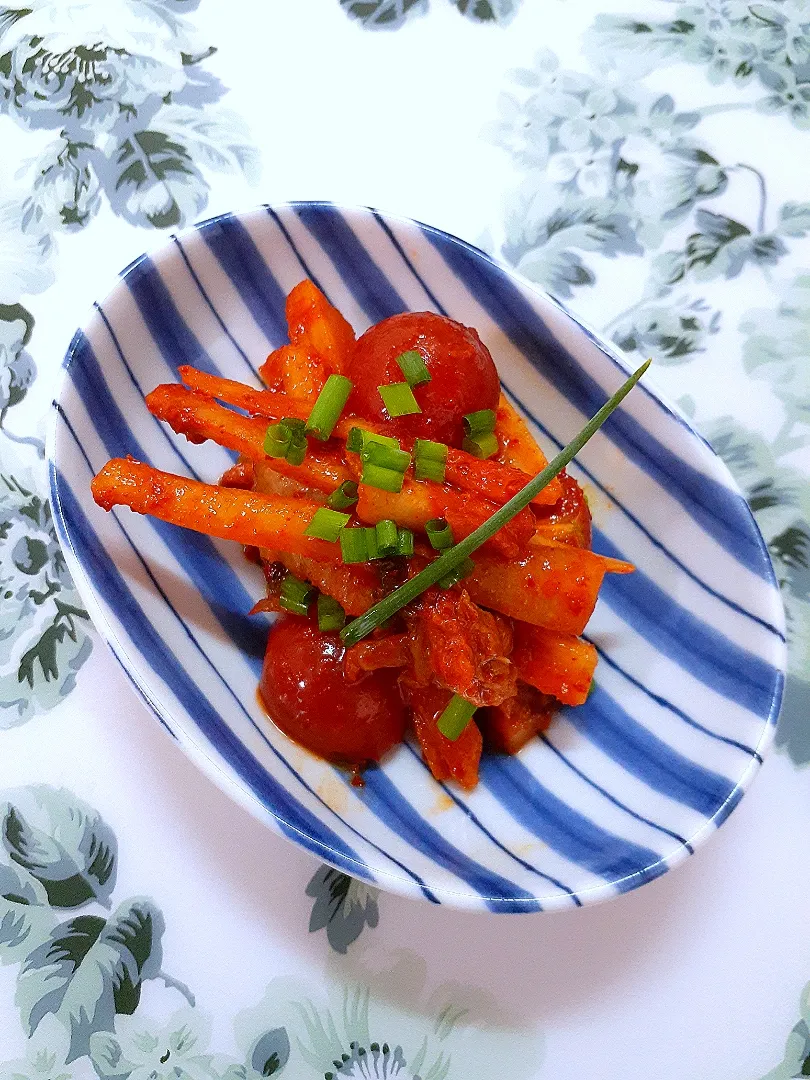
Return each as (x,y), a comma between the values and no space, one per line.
(611,169)
(136,124)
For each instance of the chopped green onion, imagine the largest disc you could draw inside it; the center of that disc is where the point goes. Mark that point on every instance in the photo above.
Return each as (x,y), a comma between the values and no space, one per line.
(331,615)
(286,440)
(413,368)
(439,533)
(277,441)
(344,496)
(387,457)
(372,546)
(384,479)
(481,446)
(326,524)
(456,574)
(387,539)
(328,407)
(296,595)
(455,718)
(395,601)
(360,438)
(479,423)
(354,440)
(398,399)
(430,459)
(297,428)
(404,542)
(353,545)
(296,452)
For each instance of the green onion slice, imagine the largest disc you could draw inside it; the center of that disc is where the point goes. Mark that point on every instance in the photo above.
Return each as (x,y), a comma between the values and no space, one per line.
(455,718)
(385,479)
(328,406)
(386,457)
(353,545)
(387,538)
(439,533)
(430,460)
(359,438)
(481,446)
(296,595)
(479,423)
(277,441)
(326,524)
(413,367)
(398,399)
(389,605)
(404,541)
(296,452)
(331,615)
(344,496)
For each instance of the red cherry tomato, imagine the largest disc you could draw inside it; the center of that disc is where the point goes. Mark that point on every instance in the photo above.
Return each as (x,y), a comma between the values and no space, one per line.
(463,376)
(306,693)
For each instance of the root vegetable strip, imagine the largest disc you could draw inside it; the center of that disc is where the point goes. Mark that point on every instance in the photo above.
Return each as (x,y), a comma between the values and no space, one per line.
(263,521)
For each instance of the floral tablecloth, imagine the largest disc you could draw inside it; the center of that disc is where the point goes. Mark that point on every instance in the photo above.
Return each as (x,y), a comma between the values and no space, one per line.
(647,162)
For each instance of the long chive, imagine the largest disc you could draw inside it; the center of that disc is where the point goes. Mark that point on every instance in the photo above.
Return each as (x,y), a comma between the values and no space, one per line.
(484,445)
(344,496)
(429,460)
(398,399)
(439,534)
(385,608)
(326,524)
(455,718)
(452,577)
(296,595)
(331,615)
(413,367)
(328,406)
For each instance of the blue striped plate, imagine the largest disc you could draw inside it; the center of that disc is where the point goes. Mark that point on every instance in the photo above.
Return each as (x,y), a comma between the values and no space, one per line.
(691,646)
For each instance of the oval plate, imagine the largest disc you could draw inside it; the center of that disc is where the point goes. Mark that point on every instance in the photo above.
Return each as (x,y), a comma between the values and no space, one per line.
(691,646)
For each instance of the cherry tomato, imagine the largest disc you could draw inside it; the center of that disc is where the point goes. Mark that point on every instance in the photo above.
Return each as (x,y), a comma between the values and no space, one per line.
(463,376)
(306,694)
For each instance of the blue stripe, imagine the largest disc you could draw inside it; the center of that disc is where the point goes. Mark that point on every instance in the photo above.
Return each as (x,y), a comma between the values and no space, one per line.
(705,653)
(244,264)
(665,704)
(564,829)
(294,819)
(612,798)
(220,321)
(385,800)
(310,273)
(448,790)
(176,342)
(369,286)
(711,504)
(605,723)
(57,489)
